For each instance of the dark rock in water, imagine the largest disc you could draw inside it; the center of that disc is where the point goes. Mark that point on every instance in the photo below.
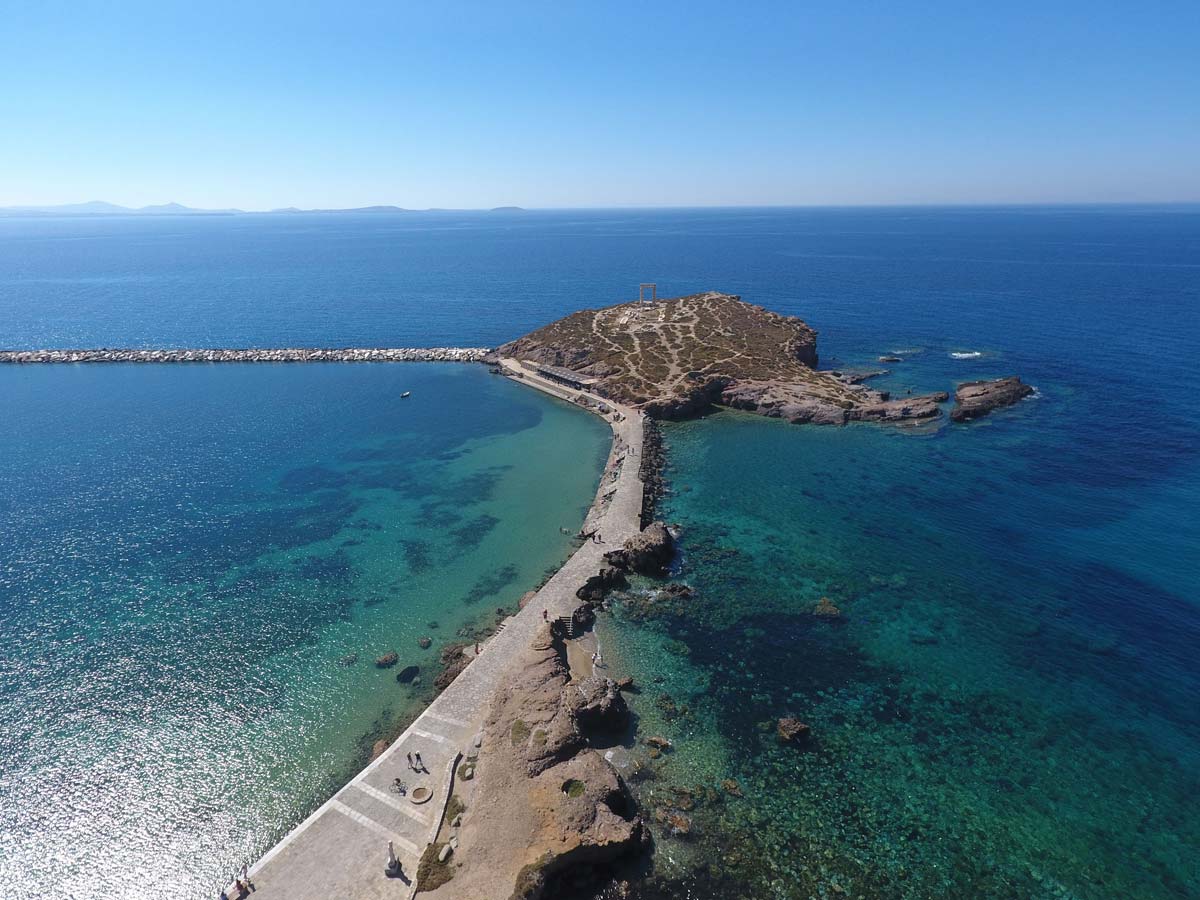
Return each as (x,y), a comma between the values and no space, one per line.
(978,398)
(625,684)
(597,705)
(666,705)
(388,660)
(431,624)
(660,743)
(904,409)
(677,590)
(891,359)
(732,788)
(649,553)
(348,660)
(425,643)
(827,611)
(600,584)
(407,674)
(583,618)
(454,661)
(793,731)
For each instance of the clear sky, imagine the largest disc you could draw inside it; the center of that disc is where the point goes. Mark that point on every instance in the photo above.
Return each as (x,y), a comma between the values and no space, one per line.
(260,104)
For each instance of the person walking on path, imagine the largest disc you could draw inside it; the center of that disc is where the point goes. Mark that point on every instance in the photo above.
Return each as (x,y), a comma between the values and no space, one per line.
(410,762)
(545,615)
(420,766)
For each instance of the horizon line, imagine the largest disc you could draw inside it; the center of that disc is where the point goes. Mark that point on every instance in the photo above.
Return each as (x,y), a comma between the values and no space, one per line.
(174,209)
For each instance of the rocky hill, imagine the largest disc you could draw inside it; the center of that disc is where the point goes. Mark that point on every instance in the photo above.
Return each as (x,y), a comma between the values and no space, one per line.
(676,357)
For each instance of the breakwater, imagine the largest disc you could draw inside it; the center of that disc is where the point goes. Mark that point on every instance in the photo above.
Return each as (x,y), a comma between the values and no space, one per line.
(289,354)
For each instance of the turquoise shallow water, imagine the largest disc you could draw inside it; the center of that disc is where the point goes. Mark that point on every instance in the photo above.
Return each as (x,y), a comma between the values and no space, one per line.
(188,555)
(1006,708)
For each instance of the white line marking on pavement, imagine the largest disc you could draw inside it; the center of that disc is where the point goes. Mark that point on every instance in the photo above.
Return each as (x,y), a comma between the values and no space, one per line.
(394,802)
(449,721)
(374,826)
(431,736)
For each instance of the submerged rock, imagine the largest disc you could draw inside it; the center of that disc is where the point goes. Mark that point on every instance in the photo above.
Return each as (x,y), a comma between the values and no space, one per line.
(388,660)
(425,643)
(826,610)
(793,731)
(407,674)
(676,822)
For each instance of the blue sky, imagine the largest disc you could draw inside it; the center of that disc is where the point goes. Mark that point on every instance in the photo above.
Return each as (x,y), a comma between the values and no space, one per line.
(262,104)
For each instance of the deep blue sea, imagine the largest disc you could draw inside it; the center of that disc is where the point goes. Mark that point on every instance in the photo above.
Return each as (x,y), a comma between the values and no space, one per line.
(1007,707)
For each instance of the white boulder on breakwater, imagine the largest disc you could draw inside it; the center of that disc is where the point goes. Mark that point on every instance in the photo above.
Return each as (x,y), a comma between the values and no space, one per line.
(291,354)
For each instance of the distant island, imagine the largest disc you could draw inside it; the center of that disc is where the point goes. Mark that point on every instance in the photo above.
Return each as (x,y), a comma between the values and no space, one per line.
(102,208)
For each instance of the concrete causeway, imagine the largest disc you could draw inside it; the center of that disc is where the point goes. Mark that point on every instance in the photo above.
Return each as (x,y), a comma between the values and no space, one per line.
(339,852)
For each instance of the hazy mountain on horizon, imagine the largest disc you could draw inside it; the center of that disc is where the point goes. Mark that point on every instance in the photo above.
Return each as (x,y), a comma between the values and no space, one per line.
(103,208)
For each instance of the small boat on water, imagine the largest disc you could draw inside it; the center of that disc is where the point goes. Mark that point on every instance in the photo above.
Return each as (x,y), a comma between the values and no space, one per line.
(406,394)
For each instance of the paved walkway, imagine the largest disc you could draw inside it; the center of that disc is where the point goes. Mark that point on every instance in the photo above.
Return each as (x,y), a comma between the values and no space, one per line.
(339,852)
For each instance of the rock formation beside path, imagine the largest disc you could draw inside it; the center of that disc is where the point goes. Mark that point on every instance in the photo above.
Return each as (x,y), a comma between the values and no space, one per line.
(678,357)
(545,803)
(975,399)
(648,553)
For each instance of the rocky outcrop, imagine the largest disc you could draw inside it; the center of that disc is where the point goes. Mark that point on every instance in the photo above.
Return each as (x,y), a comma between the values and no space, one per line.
(903,410)
(678,357)
(978,398)
(453,662)
(691,400)
(547,807)
(649,552)
(290,354)
(596,586)
(388,660)
(597,705)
